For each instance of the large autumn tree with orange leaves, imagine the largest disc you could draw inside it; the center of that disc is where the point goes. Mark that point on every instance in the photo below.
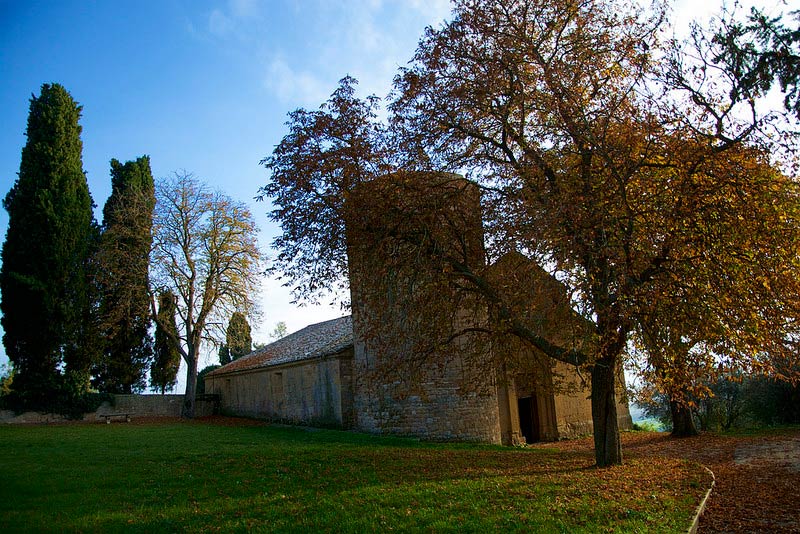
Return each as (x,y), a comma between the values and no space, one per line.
(662,212)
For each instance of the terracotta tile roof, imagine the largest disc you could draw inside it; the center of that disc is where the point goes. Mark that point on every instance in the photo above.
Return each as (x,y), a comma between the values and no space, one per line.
(321,339)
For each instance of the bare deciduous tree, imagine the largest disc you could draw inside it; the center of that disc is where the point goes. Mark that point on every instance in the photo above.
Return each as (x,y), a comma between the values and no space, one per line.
(205,253)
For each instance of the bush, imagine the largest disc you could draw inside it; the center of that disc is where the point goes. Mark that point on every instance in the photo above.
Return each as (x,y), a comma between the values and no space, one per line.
(201,377)
(771,402)
(727,408)
(648,425)
(737,403)
(6,379)
(66,397)
(656,409)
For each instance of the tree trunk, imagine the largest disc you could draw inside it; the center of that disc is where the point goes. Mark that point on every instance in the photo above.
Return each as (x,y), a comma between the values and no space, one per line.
(607,446)
(191,389)
(682,421)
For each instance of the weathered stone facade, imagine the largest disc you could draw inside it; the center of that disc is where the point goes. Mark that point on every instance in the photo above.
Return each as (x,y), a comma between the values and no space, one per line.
(552,398)
(303,378)
(322,387)
(307,392)
(446,403)
(154,406)
(533,409)
(405,382)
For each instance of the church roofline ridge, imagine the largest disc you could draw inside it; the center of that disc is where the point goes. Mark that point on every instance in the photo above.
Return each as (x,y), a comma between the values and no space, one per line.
(313,341)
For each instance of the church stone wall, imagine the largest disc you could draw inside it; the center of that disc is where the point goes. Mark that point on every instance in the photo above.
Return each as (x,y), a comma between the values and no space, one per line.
(574,407)
(310,392)
(445,403)
(410,379)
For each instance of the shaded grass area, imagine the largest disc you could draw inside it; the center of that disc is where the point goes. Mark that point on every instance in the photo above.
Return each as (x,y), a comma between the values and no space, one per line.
(191,477)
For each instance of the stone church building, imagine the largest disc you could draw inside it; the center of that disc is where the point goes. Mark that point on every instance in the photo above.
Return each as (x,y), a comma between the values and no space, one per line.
(378,371)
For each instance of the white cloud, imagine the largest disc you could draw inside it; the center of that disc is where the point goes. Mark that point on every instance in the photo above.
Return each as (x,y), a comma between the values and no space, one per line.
(368,39)
(295,88)
(243,8)
(434,10)
(685,12)
(222,22)
(219,23)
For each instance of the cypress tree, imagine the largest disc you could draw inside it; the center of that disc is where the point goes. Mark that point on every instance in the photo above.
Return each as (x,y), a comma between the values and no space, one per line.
(123,283)
(238,340)
(164,370)
(45,294)
(237,337)
(224,355)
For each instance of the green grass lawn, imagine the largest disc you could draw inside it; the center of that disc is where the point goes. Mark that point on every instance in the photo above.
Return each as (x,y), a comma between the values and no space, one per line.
(201,477)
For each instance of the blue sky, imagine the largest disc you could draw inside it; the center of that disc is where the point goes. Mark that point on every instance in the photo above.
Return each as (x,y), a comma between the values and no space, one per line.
(197,85)
(203,86)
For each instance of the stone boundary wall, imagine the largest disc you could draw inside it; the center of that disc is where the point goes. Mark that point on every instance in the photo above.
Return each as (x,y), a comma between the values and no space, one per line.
(136,405)
(153,406)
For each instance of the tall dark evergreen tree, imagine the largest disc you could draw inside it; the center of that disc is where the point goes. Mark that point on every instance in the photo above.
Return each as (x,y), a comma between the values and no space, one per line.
(122,262)
(164,370)
(224,355)
(238,338)
(43,279)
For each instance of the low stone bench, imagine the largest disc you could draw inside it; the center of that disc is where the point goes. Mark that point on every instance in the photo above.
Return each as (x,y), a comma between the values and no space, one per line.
(109,416)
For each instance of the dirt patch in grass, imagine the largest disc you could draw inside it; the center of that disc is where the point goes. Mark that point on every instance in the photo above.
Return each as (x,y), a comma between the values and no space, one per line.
(782,453)
(758,477)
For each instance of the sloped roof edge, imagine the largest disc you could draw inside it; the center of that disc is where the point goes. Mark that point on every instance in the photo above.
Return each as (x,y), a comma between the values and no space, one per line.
(313,341)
